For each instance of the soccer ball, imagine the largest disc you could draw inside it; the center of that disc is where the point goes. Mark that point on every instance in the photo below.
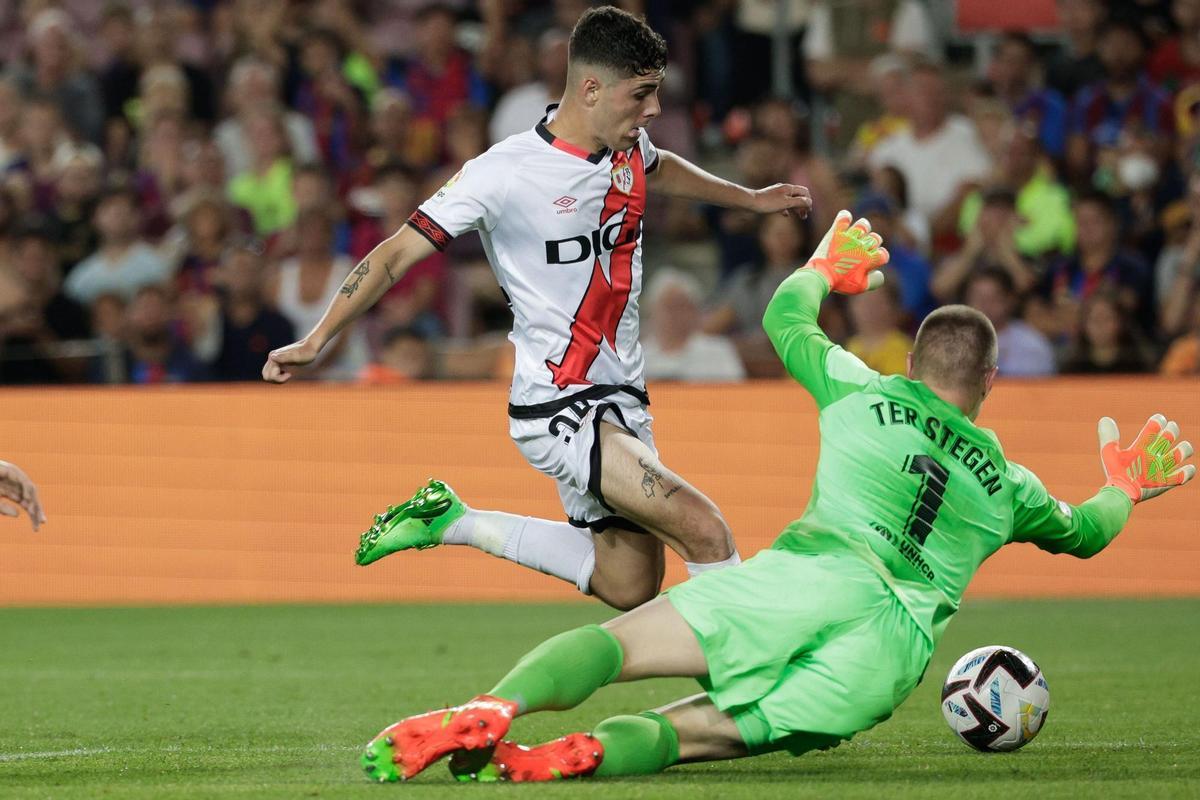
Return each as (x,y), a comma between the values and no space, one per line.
(996,699)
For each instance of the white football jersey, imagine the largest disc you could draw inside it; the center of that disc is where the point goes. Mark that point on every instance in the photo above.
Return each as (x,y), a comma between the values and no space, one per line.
(562,229)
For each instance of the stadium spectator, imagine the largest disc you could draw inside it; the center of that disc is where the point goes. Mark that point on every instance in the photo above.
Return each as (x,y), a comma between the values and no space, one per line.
(11,107)
(1023,351)
(990,242)
(1099,263)
(1106,343)
(196,244)
(154,352)
(235,331)
(43,136)
(1183,356)
(1014,76)
(1175,61)
(158,45)
(124,263)
(1123,99)
(787,132)
(841,42)
(35,259)
(743,297)
(878,339)
(70,204)
(1177,272)
(119,69)
(440,77)
(404,356)
(159,178)
(913,229)
(324,95)
(1043,205)
(1077,64)
(908,271)
(24,358)
(302,290)
(56,73)
(941,156)
(266,190)
(888,75)
(522,106)
(676,349)
(394,137)
(253,85)
(418,300)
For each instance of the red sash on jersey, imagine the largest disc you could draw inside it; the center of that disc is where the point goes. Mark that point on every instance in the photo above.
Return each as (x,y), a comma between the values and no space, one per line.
(603,304)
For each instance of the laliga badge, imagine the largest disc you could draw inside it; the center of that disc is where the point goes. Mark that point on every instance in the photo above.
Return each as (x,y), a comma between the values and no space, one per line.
(441,193)
(622,178)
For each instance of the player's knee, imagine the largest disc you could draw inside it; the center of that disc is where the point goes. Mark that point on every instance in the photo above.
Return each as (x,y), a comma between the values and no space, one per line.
(710,539)
(629,595)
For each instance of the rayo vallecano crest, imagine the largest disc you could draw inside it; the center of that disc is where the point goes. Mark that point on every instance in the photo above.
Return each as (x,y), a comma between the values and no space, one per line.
(622,178)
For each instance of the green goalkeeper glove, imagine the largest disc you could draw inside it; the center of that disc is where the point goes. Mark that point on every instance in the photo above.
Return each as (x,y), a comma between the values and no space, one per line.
(849,256)
(1151,465)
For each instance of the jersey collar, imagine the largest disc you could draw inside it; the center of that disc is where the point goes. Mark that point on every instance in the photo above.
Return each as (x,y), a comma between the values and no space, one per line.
(567,147)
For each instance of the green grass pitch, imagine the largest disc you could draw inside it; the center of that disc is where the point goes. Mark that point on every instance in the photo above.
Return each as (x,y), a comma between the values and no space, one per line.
(268,702)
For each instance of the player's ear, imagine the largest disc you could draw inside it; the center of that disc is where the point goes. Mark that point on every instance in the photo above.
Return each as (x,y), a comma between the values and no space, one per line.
(589,88)
(989,379)
(908,367)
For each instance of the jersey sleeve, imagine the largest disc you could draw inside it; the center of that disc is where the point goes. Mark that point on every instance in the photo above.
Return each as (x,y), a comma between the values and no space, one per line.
(471,200)
(828,372)
(1058,527)
(649,151)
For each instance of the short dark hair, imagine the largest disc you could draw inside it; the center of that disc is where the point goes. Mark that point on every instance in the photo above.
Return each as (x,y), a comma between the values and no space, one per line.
(612,38)
(1099,199)
(1125,23)
(955,347)
(1019,38)
(998,276)
(999,196)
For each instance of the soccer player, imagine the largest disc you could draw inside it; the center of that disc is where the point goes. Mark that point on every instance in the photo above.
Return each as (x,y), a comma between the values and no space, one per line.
(559,209)
(824,634)
(17,492)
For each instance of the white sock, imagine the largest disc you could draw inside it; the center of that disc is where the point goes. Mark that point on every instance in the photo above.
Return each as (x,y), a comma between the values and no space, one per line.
(695,569)
(555,548)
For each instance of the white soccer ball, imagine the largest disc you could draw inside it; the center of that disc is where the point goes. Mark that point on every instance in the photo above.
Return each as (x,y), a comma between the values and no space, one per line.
(995,699)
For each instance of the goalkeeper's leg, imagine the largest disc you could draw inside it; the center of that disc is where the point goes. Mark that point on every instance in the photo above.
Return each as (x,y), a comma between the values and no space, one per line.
(650,641)
(692,729)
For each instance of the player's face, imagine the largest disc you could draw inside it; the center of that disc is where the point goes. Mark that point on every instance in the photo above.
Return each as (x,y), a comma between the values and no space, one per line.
(627,105)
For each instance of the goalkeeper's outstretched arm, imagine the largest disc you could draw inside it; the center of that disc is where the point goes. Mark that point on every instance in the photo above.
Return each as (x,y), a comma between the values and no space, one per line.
(1147,468)
(846,261)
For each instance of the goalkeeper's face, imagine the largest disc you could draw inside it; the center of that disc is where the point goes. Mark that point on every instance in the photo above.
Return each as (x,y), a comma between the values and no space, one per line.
(623,106)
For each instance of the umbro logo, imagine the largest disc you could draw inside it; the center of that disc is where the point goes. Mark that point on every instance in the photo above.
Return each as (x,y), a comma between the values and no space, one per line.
(566,204)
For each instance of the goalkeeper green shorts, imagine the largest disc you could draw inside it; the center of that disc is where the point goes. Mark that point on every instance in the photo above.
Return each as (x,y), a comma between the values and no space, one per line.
(804,650)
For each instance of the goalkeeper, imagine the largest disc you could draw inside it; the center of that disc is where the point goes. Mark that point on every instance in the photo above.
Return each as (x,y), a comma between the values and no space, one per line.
(824,634)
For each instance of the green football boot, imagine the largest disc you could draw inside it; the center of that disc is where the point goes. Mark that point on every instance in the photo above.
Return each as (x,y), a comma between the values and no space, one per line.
(417,524)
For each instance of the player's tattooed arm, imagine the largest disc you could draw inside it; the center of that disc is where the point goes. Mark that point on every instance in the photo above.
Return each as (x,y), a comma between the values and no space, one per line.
(356,277)
(362,288)
(652,477)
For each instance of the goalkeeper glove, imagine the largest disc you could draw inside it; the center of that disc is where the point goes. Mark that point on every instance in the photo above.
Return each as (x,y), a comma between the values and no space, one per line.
(1151,465)
(849,256)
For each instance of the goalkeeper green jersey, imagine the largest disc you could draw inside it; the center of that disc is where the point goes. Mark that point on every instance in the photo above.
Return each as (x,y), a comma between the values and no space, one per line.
(907,481)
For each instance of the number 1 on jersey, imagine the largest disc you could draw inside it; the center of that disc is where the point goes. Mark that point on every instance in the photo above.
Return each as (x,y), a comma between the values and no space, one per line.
(929,497)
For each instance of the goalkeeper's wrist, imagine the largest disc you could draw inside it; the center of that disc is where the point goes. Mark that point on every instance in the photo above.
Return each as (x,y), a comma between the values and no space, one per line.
(822,267)
(1125,487)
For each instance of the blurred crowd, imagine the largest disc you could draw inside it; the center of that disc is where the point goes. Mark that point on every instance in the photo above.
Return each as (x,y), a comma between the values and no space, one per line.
(184,184)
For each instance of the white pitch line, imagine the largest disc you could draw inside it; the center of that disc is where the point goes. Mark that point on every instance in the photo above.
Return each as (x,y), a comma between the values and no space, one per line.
(79,751)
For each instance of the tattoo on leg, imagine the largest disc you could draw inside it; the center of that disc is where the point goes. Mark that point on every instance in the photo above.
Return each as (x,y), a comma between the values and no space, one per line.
(653,477)
(360,272)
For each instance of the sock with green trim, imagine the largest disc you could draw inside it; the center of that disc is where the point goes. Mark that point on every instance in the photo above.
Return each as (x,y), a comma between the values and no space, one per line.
(563,671)
(636,745)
